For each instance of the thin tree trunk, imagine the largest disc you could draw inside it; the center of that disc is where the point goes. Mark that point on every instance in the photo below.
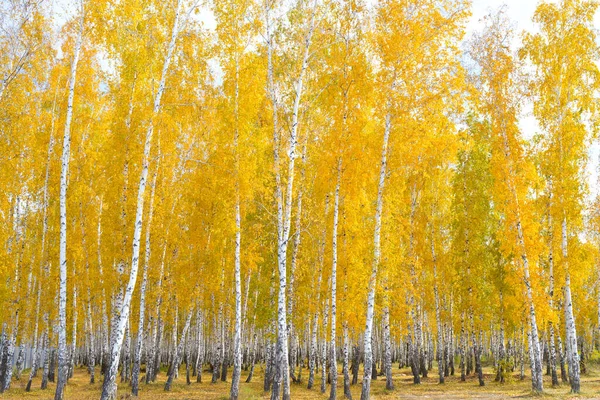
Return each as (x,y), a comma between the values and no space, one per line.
(387,350)
(284,208)
(237,341)
(324,345)
(47,355)
(366,385)
(563,370)
(571,332)
(571,343)
(345,363)
(34,350)
(64,176)
(440,339)
(333,360)
(74,336)
(200,347)
(137,355)
(109,388)
(91,353)
(292,335)
(252,358)
(355,363)
(536,373)
(178,351)
(35,365)
(477,348)
(552,348)
(463,373)
(312,354)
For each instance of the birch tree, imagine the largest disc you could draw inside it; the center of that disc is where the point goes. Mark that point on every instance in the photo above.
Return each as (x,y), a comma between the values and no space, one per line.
(500,103)
(64,176)
(109,388)
(284,204)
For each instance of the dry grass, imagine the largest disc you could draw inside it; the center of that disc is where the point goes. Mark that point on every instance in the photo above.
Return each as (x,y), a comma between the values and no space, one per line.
(80,389)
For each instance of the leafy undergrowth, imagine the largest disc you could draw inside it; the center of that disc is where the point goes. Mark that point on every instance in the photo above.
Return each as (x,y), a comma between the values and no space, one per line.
(80,389)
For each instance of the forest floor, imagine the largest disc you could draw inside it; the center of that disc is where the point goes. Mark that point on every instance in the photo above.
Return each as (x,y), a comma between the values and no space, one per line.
(80,389)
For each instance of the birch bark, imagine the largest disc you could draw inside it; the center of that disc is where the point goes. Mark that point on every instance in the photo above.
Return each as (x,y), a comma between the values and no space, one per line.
(34,350)
(109,388)
(571,333)
(64,175)
(312,354)
(368,352)
(237,339)
(35,365)
(552,349)
(284,207)
(387,348)
(536,373)
(336,206)
(135,373)
(440,339)
(178,351)
(237,350)
(347,392)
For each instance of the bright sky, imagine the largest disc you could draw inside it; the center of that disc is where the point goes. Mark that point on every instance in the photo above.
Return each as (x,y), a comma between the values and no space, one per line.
(519,11)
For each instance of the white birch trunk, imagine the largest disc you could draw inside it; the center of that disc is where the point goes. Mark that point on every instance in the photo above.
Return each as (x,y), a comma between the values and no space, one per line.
(552,348)
(440,339)
(34,350)
(64,177)
(366,384)
(135,373)
(178,351)
(292,335)
(154,365)
(571,333)
(312,351)
(90,334)
(536,373)
(347,392)
(74,335)
(336,206)
(281,347)
(200,347)
(324,344)
(312,360)
(237,338)
(36,356)
(387,348)
(237,341)
(284,209)
(8,353)
(244,325)
(109,389)
(105,335)
(46,357)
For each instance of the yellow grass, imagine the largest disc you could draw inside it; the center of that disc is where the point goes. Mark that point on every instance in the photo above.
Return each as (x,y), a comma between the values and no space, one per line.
(80,389)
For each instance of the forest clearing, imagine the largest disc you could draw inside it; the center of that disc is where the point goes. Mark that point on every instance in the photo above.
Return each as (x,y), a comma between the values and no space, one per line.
(292,199)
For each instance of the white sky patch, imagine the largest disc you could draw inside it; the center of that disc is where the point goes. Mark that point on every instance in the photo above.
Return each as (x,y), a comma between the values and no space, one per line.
(205,16)
(63,10)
